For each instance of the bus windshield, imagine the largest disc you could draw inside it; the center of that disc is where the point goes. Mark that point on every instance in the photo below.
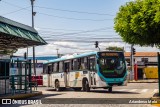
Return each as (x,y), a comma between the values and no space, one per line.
(112,64)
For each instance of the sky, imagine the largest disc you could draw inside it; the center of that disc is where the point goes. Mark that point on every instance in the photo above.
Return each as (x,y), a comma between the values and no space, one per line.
(71,26)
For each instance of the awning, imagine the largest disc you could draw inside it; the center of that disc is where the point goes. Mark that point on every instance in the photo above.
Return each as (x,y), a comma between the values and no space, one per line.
(14,35)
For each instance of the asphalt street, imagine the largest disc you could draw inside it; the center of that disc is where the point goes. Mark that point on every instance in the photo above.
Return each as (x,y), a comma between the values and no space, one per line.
(120,96)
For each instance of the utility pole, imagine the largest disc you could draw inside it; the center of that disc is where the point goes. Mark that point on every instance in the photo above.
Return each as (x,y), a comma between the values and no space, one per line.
(33,14)
(132,63)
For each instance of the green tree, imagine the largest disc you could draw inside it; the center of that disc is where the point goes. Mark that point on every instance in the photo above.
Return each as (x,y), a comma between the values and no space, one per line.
(115,48)
(138,22)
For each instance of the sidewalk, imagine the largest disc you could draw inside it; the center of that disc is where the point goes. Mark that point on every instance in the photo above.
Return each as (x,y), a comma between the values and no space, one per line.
(144,81)
(21,96)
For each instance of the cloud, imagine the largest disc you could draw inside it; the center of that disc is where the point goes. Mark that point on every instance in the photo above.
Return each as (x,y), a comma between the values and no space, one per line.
(73,47)
(115,44)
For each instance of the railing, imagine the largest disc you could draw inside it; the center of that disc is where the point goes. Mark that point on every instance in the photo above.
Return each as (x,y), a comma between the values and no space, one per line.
(16,84)
(5,87)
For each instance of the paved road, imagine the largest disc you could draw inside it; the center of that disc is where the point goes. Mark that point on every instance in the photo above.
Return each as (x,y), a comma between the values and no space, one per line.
(132,90)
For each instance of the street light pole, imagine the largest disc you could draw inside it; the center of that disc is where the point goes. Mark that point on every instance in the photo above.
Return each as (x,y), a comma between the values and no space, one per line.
(33,14)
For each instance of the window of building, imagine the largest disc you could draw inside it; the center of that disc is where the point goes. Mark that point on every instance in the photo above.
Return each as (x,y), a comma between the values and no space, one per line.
(145,60)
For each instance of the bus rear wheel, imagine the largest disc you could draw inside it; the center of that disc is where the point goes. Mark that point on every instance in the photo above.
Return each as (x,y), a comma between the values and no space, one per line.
(86,86)
(57,86)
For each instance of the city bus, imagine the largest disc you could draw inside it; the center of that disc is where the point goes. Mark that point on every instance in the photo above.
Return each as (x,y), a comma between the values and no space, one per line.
(86,71)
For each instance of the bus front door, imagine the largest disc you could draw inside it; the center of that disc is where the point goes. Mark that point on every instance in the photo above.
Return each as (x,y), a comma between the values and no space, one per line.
(66,74)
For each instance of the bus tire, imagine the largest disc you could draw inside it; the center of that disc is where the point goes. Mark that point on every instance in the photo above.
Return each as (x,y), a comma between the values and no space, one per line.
(110,89)
(57,86)
(86,86)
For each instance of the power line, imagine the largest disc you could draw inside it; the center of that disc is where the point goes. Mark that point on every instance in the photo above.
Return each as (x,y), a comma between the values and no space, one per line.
(94,30)
(11,4)
(69,47)
(73,11)
(15,11)
(62,17)
(86,37)
(43,29)
(81,41)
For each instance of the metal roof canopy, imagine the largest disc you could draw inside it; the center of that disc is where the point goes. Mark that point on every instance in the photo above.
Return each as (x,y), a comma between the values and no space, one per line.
(14,35)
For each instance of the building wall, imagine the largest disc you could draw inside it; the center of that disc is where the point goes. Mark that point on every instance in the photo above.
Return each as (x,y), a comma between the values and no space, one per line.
(148,70)
(150,59)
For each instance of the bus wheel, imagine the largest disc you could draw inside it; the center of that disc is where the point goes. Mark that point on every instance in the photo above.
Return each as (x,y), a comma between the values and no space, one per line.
(86,86)
(77,89)
(110,89)
(57,86)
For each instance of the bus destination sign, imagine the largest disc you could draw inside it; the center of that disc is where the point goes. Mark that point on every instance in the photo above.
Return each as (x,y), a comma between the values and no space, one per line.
(108,54)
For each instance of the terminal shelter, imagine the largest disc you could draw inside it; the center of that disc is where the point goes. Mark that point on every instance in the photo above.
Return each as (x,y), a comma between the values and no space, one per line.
(13,36)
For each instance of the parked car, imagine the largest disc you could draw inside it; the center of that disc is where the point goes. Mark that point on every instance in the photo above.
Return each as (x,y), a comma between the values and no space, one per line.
(37,79)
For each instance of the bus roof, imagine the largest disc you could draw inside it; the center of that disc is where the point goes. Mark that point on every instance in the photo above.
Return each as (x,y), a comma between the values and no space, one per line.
(70,57)
(75,56)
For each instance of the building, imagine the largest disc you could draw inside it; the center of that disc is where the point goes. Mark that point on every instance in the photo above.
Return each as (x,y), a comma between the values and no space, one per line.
(147,64)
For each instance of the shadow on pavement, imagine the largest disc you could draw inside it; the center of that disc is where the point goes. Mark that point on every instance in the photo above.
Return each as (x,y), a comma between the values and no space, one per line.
(43,96)
(113,92)
(96,91)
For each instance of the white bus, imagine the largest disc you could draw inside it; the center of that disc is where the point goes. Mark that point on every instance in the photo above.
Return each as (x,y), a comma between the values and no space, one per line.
(86,71)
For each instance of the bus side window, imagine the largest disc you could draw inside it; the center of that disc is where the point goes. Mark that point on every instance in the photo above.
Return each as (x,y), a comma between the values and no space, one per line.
(79,63)
(52,67)
(82,66)
(75,64)
(49,68)
(60,66)
(92,63)
(86,63)
(55,67)
(45,69)
(72,65)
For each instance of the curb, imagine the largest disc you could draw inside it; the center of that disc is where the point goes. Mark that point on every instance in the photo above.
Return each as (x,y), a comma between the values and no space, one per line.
(143,82)
(22,96)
